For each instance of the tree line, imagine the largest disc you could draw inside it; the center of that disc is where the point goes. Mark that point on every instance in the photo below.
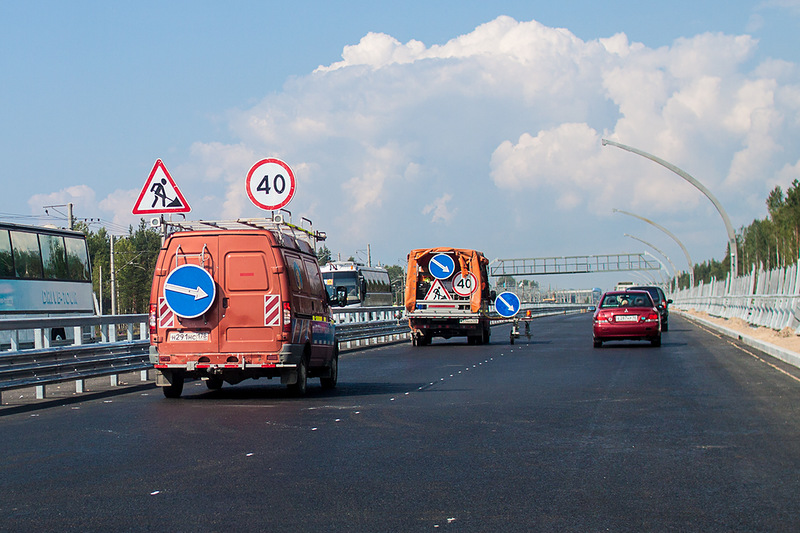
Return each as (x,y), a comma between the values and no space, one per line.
(134,263)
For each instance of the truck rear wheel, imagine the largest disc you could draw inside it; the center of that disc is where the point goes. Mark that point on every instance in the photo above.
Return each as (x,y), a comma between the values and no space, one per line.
(423,340)
(214,382)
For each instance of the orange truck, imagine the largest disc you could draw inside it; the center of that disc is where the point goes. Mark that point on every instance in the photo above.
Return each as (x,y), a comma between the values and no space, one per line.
(447,295)
(234,300)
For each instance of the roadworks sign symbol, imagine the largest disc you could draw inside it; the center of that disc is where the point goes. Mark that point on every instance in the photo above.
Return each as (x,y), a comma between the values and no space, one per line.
(437,291)
(160,194)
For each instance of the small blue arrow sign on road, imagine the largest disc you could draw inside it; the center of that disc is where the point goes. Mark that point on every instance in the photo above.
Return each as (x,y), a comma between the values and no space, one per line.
(442,266)
(189,291)
(507,304)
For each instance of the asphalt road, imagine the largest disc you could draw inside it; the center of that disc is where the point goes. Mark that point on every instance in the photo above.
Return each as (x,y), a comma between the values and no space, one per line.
(549,434)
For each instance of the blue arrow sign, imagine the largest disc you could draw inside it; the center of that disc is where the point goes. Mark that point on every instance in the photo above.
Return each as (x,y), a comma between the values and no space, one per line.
(441,266)
(189,291)
(507,304)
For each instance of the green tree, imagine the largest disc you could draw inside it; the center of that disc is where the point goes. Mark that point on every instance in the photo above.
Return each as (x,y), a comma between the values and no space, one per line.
(397,278)
(135,262)
(323,255)
(506,282)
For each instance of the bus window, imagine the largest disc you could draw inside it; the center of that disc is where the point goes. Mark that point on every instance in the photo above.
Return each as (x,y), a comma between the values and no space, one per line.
(77,259)
(27,259)
(6,259)
(54,257)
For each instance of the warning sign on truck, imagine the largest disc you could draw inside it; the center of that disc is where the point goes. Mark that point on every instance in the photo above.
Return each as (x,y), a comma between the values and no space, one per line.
(437,291)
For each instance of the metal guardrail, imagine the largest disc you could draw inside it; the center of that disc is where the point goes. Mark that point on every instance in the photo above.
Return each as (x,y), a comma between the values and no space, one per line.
(102,353)
(763,298)
(365,326)
(95,350)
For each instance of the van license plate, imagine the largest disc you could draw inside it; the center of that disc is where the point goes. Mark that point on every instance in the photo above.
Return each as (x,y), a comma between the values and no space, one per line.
(188,336)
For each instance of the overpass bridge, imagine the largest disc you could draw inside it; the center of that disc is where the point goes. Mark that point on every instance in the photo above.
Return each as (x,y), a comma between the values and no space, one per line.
(579,264)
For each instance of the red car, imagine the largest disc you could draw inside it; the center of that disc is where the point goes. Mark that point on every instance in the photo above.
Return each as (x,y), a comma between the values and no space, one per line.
(626,315)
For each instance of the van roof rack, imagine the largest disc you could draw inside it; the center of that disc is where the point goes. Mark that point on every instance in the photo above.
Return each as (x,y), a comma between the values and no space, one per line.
(276,223)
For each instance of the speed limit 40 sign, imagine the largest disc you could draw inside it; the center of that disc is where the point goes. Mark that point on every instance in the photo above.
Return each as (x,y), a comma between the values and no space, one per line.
(270,184)
(464,285)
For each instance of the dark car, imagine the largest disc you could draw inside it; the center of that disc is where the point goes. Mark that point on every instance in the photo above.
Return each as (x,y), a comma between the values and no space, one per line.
(626,315)
(660,299)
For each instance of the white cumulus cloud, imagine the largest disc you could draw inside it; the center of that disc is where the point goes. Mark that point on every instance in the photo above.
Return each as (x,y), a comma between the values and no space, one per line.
(493,138)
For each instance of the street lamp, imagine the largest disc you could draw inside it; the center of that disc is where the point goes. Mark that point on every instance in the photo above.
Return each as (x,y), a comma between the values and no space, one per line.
(668,232)
(674,268)
(701,187)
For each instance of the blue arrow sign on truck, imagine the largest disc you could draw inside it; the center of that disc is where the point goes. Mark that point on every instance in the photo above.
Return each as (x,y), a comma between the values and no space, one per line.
(441,266)
(189,291)
(507,304)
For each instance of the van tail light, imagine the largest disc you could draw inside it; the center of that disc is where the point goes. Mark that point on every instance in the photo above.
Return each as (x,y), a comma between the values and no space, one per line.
(153,310)
(287,317)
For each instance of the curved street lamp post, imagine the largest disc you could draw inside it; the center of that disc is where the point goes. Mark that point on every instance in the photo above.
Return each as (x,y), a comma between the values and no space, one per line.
(702,188)
(668,232)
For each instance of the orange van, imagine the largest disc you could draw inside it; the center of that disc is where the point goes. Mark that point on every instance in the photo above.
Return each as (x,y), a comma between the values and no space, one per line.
(237,300)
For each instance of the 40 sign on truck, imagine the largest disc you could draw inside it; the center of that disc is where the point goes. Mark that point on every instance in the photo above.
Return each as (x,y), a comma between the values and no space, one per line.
(447,295)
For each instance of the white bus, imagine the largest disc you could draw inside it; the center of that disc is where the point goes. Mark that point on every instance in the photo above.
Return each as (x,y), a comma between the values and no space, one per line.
(44,272)
(365,286)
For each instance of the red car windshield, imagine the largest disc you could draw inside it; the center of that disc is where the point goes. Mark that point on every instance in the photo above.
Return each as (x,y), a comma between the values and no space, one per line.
(634,299)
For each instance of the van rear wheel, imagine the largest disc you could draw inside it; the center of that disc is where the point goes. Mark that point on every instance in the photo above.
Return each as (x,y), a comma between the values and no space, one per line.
(300,386)
(330,381)
(175,388)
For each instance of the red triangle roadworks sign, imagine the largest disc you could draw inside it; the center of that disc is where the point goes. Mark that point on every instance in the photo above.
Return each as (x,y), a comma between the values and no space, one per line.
(160,194)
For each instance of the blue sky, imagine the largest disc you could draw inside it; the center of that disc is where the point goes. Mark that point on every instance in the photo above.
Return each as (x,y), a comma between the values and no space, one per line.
(475,124)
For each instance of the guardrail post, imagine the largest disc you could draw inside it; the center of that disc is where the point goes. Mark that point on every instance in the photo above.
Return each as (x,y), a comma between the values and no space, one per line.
(40,392)
(79,385)
(38,338)
(14,340)
(77,332)
(114,380)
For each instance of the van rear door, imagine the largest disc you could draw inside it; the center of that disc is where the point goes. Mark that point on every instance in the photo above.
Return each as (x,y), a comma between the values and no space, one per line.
(189,335)
(251,311)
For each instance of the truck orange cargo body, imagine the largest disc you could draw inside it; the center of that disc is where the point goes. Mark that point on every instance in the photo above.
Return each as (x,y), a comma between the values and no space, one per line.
(449,314)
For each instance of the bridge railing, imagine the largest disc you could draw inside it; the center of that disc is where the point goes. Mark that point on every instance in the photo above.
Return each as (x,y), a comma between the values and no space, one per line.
(768,298)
